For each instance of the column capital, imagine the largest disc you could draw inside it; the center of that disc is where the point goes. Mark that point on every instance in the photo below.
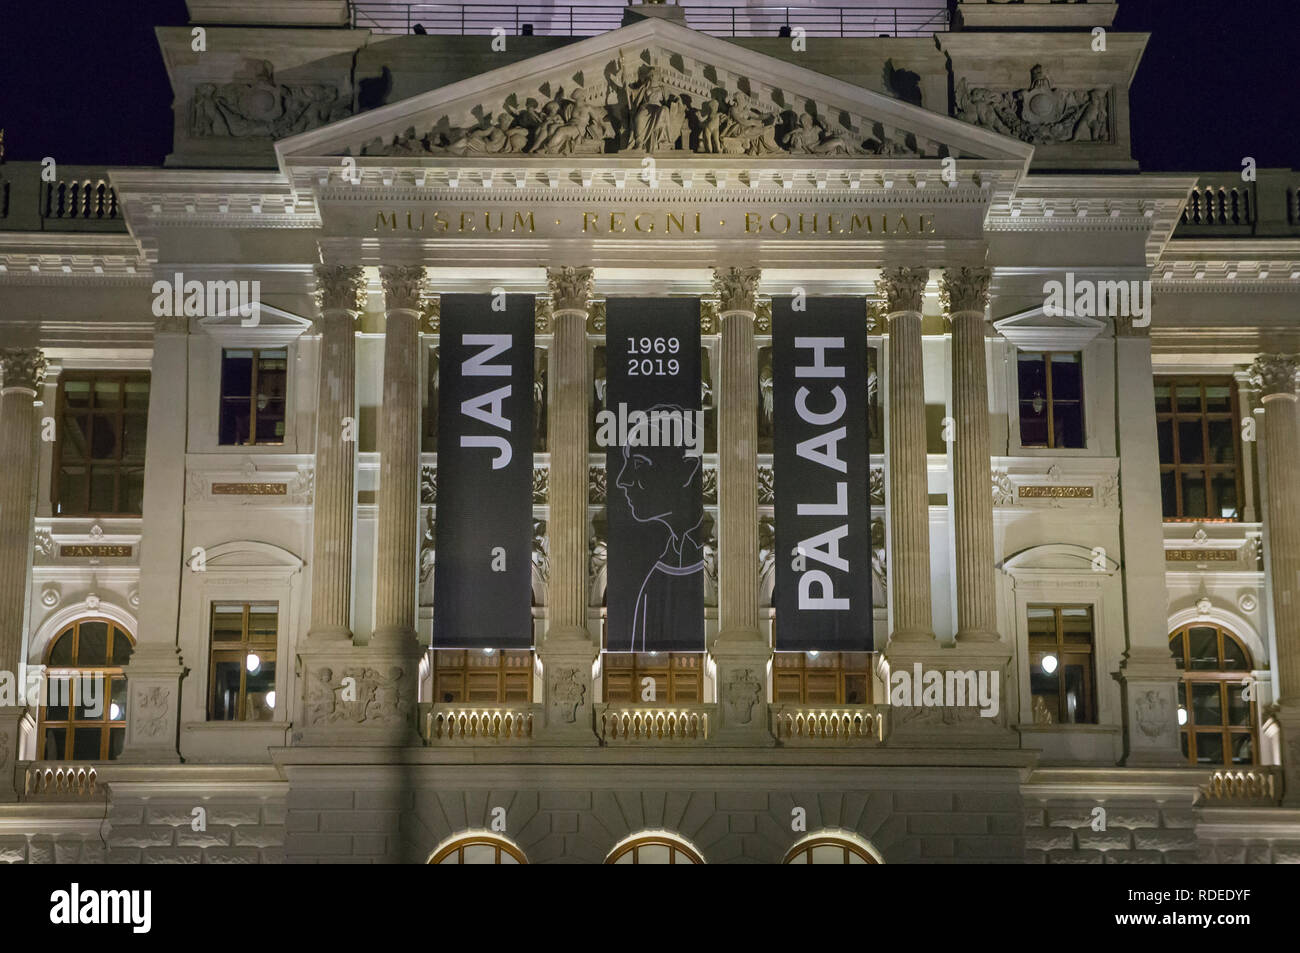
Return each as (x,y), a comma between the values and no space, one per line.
(570,287)
(22,367)
(340,288)
(964,289)
(903,288)
(1273,375)
(737,288)
(404,286)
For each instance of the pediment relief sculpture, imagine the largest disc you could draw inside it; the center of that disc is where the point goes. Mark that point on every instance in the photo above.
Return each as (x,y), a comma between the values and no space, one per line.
(260,106)
(1039,113)
(652,104)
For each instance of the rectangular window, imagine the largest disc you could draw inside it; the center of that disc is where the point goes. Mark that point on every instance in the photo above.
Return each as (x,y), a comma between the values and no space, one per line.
(99,454)
(1051,399)
(253,388)
(1062,676)
(1196,434)
(822,678)
(678,677)
(491,677)
(241,680)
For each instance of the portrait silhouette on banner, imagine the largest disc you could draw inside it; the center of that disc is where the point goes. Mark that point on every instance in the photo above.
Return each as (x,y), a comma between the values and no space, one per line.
(656,482)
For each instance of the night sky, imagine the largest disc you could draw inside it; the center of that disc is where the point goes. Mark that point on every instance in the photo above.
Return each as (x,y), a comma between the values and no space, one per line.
(84,82)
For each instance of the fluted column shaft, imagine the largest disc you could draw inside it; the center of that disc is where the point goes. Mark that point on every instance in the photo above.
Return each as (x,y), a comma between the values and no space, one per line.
(21,373)
(1281,433)
(909,495)
(738,568)
(566,422)
(965,291)
(341,295)
(399,457)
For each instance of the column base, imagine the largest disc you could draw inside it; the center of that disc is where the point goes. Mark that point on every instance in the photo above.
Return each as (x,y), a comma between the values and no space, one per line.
(330,635)
(741,659)
(153,681)
(568,704)
(359,695)
(11,734)
(1288,717)
(967,709)
(912,636)
(1148,682)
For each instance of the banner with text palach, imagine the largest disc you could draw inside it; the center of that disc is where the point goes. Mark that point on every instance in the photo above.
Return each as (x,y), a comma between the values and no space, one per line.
(823,516)
(482,577)
(652,429)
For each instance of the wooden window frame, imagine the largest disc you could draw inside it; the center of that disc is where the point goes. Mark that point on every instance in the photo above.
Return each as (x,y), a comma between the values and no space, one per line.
(444,663)
(1174,416)
(805,849)
(1225,679)
(673,670)
(105,723)
(118,465)
(223,398)
(1090,670)
(1050,401)
(218,651)
(458,846)
(674,848)
(838,667)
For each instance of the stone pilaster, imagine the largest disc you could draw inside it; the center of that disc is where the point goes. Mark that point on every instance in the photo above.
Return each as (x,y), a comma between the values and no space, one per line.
(153,676)
(21,372)
(741,652)
(568,650)
(1275,377)
(909,495)
(1147,674)
(340,297)
(964,294)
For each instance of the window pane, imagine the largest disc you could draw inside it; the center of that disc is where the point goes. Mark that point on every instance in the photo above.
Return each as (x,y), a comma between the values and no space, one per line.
(1189,398)
(1076,706)
(1168,495)
(225,690)
(92,697)
(131,482)
(117,700)
(1223,489)
(77,394)
(1033,424)
(61,652)
(1194,501)
(1234,658)
(92,648)
(1218,398)
(260,684)
(1067,420)
(137,395)
(108,394)
(86,742)
(1204,648)
(1165,440)
(116,738)
(103,437)
(55,739)
(58,696)
(1243,748)
(75,437)
(1163,392)
(1207,706)
(1067,377)
(72,490)
(103,490)
(1223,441)
(1238,707)
(237,374)
(1177,646)
(1191,445)
(1209,747)
(133,432)
(652,854)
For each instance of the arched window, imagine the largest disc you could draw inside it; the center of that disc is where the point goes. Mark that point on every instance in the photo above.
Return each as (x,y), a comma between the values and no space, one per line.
(478,848)
(838,847)
(654,847)
(1216,717)
(83,714)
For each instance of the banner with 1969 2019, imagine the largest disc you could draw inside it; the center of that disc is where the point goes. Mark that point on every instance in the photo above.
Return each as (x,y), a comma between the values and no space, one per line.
(822,475)
(482,595)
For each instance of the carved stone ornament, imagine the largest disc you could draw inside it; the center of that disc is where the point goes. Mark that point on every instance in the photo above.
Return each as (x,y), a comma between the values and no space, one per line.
(708,316)
(22,367)
(651,101)
(740,696)
(766,486)
(876,486)
(543,311)
(431,315)
(404,286)
(541,484)
(737,288)
(1004,491)
(152,711)
(1154,714)
(1040,112)
(596,318)
(340,288)
(595,484)
(903,288)
(570,287)
(261,107)
(567,693)
(428,484)
(964,289)
(1274,374)
(43,544)
(359,696)
(763,316)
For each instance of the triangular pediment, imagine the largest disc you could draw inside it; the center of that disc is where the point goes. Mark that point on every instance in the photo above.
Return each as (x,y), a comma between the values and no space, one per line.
(261,326)
(652,88)
(1042,327)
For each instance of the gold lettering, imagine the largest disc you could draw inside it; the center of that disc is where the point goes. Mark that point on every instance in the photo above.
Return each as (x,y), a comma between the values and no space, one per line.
(771,223)
(520,219)
(410,223)
(636,223)
(616,222)
(680,222)
(859,224)
(380,221)
(466,220)
(902,225)
(487,222)
(926,223)
(830,224)
(753,222)
(697,223)
(590,218)
(440,223)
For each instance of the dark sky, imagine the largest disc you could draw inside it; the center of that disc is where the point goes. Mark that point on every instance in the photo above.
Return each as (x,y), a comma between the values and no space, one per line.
(85,82)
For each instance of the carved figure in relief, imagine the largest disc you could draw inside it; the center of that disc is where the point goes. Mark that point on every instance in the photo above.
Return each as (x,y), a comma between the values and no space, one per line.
(810,137)
(260,106)
(1039,113)
(747,131)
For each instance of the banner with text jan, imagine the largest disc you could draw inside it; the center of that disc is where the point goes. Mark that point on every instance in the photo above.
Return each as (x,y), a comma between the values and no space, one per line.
(823,516)
(482,582)
(653,434)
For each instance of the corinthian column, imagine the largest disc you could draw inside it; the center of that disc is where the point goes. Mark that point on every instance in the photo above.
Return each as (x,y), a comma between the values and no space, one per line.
(909,495)
(340,296)
(1275,376)
(964,293)
(740,650)
(399,459)
(568,651)
(21,372)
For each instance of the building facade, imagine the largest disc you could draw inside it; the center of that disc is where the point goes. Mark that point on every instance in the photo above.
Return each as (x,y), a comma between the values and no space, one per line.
(225,382)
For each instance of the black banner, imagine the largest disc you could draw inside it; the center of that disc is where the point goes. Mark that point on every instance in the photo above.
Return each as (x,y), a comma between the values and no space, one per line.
(483,557)
(823,515)
(652,429)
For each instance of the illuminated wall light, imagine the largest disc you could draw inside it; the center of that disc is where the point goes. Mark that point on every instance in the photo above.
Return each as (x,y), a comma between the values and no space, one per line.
(253,662)
(270,699)
(1182,715)
(1048,664)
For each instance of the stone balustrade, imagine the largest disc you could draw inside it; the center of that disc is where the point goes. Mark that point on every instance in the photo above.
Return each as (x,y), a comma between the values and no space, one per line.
(841,724)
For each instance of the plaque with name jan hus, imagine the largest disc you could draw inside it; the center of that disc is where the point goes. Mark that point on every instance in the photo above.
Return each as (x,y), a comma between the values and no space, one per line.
(823,517)
(654,440)
(482,583)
